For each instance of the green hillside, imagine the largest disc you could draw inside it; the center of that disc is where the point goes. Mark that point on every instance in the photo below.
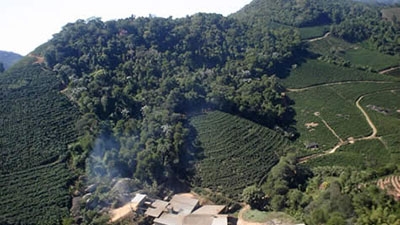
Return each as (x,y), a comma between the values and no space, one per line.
(299,115)
(237,152)
(9,58)
(37,124)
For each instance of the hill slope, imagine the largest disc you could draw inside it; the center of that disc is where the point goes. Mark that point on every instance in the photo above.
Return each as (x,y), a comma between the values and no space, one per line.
(37,124)
(237,152)
(9,58)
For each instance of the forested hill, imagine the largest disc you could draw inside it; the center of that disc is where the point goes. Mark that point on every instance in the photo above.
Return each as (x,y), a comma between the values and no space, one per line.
(140,77)
(139,83)
(9,58)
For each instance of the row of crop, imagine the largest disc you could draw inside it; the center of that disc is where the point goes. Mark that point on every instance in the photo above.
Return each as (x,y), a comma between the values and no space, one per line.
(237,152)
(37,122)
(36,125)
(33,195)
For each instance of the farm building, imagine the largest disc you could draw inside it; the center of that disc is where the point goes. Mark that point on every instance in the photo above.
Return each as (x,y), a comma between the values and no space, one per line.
(183,210)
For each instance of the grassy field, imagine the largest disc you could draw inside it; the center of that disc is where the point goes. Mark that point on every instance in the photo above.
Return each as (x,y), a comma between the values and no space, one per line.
(267,217)
(35,128)
(315,72)
(313,32)
(237,152)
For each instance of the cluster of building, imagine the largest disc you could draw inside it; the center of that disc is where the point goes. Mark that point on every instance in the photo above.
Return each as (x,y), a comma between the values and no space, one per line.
(180,210)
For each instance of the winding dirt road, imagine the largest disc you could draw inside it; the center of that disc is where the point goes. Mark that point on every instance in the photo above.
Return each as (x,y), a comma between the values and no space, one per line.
(341,142)
(389,70)
(319,38)
(370,123)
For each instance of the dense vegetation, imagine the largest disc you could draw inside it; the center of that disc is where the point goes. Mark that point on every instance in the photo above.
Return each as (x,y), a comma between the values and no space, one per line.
(207,101)
(141,76)
(37,124)
(239,150)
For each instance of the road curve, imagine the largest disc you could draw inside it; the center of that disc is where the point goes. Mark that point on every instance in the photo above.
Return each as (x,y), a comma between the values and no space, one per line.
(371,124)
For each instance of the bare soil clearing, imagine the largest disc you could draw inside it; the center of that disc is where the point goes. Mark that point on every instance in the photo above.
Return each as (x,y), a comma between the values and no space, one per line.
(122,212)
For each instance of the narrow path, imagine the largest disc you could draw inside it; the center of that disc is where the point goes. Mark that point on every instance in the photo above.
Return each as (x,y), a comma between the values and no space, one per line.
(341,141)
(370,123)
(336,83)
(319,38)
(332,130)
(389,70)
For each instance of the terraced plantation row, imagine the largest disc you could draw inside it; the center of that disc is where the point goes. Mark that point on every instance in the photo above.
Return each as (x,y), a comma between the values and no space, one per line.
(237,152)
(33,117)
(391,184)
(35,196)
(36,125)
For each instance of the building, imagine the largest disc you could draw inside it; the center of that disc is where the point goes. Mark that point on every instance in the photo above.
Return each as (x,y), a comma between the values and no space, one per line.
(183,210)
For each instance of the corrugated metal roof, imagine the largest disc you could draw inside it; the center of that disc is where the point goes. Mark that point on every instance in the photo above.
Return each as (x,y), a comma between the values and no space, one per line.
(220,220)
(183,205)
(156,208)
(169,219)
(195,219)
(138,198)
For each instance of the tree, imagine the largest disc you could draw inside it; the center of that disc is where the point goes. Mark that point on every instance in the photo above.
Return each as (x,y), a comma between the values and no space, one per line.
(254,196)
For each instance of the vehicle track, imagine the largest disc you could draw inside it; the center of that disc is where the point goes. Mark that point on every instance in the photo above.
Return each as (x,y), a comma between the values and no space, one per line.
(341,143)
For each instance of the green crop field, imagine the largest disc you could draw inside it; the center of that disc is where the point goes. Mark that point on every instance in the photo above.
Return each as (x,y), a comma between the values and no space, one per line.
(314,72)
(394,73)
(237,152)
(33,176)
(374,59)
(355,54)
(341,115)
(384,110)
(361,155)
(329,44)
(335,104)
(313,32)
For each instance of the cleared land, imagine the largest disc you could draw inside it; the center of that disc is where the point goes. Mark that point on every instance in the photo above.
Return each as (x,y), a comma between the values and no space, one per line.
(248,216)
(237,152)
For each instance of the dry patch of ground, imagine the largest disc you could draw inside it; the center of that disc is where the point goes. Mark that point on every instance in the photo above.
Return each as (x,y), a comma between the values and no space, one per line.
(311,125)
(122,212)
(263,218)
(39,59)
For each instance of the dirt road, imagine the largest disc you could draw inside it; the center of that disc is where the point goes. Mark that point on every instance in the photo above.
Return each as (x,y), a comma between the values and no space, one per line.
(319,38)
